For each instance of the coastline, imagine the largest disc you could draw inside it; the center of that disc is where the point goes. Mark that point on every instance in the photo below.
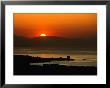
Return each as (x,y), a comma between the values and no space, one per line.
(22,67)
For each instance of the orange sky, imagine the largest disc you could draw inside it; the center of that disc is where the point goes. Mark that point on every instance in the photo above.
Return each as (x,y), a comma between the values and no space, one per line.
(71,25)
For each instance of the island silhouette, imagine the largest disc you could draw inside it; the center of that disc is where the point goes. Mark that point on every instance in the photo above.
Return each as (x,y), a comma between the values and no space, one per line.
(56,42)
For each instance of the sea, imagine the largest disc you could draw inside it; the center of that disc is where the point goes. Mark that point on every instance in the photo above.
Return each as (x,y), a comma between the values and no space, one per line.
(81,57)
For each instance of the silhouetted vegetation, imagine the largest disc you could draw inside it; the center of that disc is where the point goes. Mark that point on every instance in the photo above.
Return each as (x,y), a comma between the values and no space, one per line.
(22,67)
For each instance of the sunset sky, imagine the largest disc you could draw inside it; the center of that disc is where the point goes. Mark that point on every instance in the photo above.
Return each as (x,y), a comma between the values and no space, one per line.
(71,25)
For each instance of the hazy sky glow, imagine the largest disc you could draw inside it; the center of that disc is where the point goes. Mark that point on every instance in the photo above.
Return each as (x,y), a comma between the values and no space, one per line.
(71,25)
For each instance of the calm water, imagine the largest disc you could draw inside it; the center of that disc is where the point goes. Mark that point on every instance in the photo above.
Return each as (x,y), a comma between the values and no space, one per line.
(90,56)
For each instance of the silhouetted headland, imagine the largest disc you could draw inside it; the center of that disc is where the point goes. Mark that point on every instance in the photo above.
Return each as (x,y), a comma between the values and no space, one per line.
(22,67)
(40,59)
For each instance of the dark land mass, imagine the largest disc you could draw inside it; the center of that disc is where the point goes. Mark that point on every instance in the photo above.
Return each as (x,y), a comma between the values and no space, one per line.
(27,58)
(55,42)
(22,67)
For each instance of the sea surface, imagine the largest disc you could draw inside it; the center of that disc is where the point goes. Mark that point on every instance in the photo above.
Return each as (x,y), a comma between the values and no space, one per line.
(78,56)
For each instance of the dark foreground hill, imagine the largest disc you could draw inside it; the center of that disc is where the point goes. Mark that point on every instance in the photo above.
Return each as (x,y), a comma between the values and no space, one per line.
(22,67)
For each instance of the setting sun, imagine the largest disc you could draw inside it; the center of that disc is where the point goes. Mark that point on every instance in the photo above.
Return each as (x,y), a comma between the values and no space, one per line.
(43,35)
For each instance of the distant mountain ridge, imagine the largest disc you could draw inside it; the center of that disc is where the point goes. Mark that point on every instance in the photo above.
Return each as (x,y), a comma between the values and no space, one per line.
(39,41)
(53,41)
(50,38)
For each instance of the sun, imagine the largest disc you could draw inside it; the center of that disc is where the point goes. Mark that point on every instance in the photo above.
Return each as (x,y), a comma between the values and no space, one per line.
(42,35)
